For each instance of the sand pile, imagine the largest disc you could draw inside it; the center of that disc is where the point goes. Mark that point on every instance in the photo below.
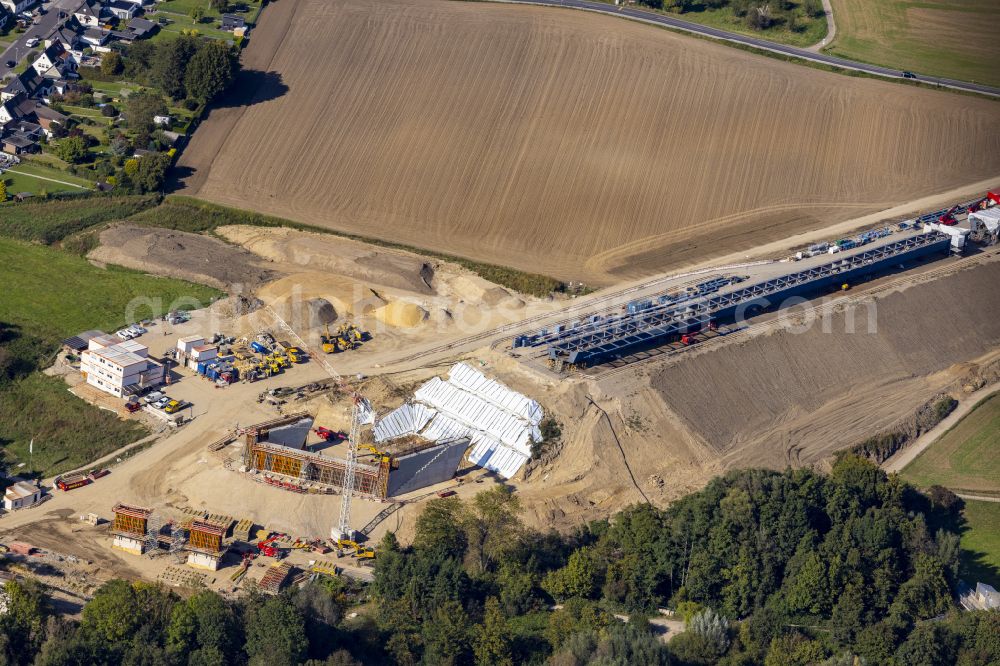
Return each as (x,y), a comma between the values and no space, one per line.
(401,314)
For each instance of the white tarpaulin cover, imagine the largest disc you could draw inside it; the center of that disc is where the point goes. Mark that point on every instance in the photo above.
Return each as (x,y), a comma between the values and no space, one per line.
(990,218)
(501,423)
(407,420)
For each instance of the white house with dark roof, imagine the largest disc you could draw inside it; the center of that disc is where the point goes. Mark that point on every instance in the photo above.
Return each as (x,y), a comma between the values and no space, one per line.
(88,15)
(126,11)
(55,62)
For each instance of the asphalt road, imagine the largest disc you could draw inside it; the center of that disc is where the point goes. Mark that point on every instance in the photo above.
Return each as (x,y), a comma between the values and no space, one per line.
(48,24)
(679,24)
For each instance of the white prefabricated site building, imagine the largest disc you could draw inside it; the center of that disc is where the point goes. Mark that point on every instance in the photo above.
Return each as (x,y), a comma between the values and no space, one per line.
(112,366)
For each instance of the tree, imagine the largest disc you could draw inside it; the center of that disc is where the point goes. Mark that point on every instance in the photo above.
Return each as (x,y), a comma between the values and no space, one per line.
(928,645)
(197,14)
(925,595)
(211,70)
(23,622)
(492,528)
(492,637)
(138,60)
(577,579)
(140,109)
(275,631)
(150,172)
(575,616)
(170,64)
(203,629)
(112,64)
(713,627)
(72,149)
(439,528)
(114,612)
(794,649)
(3,190)
(446,634)
(220,6)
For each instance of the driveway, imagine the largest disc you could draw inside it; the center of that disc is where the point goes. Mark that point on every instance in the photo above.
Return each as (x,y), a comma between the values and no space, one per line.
(48,24)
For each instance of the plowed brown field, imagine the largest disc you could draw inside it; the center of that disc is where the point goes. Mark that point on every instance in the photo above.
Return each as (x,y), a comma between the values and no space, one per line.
(560,142)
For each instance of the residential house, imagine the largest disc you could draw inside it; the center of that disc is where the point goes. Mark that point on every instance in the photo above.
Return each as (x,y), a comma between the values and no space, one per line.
(20,495)
(55,62)
(69,40)
(7,113)
(5,17)
(26,128)
(16,6)
(124,10)
(88,15)
(24,84)
(231,22)
(987,596)
(49,119)
(142,28)
(18,144)
(96,37)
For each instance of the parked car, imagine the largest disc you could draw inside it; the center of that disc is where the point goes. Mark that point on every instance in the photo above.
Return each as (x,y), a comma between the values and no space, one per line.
(173,406)
(153,397)
(125,334)
(11,63)
(32,43)
(136,330)
(909,75)
(162,402)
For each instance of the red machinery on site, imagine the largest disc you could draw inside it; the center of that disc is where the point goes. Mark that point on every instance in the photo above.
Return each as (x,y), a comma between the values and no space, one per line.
(266,548)
(328,435)
(949,219)
(991,199)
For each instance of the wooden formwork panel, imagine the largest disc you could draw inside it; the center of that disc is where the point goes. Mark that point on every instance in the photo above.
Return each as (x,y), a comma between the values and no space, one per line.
(129,524)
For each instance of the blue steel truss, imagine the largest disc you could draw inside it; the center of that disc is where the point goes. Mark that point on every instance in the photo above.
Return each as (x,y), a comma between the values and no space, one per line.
(668,316)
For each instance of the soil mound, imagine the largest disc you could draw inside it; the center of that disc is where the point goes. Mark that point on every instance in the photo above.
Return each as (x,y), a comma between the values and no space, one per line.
(182,255)
(793,397)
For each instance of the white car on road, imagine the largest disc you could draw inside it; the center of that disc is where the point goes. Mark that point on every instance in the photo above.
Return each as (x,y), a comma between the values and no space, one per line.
(32,43)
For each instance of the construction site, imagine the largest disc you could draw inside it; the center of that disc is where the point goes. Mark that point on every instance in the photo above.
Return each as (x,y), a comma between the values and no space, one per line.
(326,415)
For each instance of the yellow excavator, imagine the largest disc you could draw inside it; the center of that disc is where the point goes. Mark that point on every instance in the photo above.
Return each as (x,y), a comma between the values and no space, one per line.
(380,456)
(328,340)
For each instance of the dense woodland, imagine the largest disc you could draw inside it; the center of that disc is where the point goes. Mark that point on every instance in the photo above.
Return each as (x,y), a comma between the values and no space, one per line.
(765,567)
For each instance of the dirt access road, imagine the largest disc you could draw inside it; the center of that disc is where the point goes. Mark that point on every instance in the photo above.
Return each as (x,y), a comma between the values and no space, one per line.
(901,459)
(567,143)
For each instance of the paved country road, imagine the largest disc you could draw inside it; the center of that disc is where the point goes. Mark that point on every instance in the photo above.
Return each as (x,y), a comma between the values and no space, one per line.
(680,24)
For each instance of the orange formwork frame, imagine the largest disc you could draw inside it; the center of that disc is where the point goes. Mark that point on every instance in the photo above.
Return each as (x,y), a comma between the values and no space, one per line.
(130,520)
(309,467)
(205,537)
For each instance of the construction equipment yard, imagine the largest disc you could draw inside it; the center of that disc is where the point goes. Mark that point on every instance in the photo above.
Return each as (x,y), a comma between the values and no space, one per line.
(446,383)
